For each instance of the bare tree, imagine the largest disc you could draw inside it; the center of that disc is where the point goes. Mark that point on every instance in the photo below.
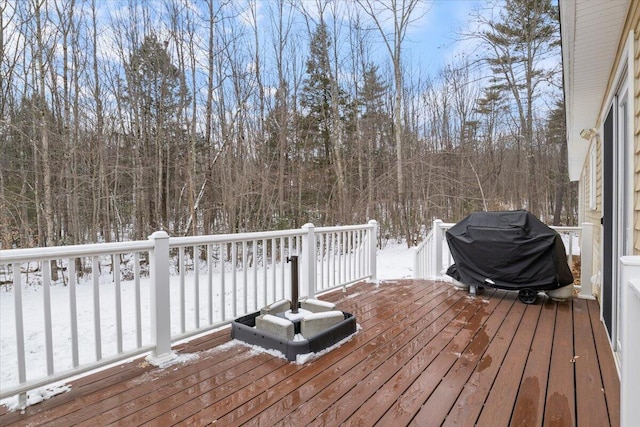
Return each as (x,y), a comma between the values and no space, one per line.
(279,124)
(209,117)
(42,62)
(8,234)
(102,195)
(401,12)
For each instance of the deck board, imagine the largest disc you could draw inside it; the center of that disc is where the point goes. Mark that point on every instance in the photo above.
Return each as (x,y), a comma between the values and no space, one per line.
(430,321)
(560,404)
(372,350)
(383,397)
(471,399)
(487,322)
(591,405)
(529,407)
(501,399)
(608,369)
(426,354)
(449,343)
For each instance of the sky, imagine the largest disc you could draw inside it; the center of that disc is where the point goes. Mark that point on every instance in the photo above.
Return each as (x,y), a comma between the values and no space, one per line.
(435,40)
(432,39)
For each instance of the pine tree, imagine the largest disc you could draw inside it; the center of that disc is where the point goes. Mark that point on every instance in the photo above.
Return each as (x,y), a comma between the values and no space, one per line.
(518,40)
(374,124)
(317,94)
(323,127)
(156,94)
(559,177)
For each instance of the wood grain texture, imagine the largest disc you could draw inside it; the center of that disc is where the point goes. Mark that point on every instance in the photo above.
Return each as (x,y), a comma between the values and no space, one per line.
(426,355)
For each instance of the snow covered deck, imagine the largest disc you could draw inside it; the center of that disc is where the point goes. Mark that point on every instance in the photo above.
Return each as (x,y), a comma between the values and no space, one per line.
(426,355)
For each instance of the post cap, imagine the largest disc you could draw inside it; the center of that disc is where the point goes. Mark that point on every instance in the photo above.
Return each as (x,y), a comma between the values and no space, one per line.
(161,234)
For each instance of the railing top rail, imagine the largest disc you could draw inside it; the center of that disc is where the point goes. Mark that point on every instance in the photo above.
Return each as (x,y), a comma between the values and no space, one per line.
(9,256)
(343,228)
(565,228)
(424,242)
(230,238)
(555,227)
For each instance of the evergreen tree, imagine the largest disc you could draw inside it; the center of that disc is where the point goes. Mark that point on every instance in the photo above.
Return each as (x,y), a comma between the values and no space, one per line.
(156,94)
(518,40)
(373,91)
(323,126)
(375,126)
(559,177)
(317,94)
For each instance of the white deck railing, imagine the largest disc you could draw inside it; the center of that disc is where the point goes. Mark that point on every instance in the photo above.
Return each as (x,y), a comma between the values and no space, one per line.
(630,348)
(142,296)
(432,257)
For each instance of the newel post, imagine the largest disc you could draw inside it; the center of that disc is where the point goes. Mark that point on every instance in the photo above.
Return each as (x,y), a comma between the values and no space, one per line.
(586,261)
(160,300)
(437,249)
(417,272)
(629,288)
(308,279)
(373,242)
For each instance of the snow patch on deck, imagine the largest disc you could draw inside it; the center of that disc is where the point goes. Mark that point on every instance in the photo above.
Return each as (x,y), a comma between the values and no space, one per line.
(36,396)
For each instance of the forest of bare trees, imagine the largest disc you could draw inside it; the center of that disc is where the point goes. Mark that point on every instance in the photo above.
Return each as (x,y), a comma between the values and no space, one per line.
(119,118)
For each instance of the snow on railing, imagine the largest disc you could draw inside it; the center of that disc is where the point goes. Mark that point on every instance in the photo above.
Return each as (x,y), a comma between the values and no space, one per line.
(112,301)
(432,257)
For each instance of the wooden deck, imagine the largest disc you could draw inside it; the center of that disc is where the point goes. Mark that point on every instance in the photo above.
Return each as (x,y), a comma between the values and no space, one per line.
(426,355)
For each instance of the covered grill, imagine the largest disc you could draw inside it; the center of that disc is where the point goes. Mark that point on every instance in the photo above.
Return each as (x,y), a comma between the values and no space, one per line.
(508,250)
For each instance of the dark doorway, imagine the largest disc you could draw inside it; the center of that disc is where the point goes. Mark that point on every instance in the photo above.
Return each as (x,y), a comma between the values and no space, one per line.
(608,161)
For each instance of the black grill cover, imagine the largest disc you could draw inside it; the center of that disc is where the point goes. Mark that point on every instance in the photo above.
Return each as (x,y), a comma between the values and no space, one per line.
(513,250)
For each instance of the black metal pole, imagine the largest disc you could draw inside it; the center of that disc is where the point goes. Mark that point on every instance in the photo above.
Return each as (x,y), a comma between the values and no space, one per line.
(293,259)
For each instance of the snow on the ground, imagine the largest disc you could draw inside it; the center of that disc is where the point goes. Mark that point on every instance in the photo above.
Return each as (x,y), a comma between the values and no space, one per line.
(394,261)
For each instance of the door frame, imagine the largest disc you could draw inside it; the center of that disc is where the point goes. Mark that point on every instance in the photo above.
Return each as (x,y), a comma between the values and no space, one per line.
(619,203)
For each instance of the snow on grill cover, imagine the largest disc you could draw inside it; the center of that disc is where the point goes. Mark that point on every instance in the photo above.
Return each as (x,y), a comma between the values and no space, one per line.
(512,249)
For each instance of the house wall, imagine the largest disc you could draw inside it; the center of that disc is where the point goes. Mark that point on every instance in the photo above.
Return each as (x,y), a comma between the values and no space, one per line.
(591,203)
(590,211)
